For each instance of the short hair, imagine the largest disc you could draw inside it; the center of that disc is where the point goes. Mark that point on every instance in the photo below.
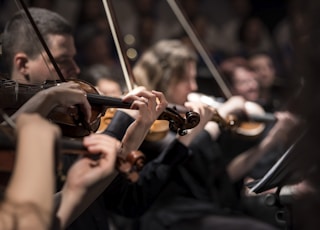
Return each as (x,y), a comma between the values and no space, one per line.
(19,36)
(229,65)
(162,64)
(94,73)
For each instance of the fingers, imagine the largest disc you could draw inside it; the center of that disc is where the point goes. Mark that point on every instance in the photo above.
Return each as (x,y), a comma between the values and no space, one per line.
(86,108)
(206,112)
(70,93)
(100,143)
(106,146)
(145,100)
(137,90)
(162,101)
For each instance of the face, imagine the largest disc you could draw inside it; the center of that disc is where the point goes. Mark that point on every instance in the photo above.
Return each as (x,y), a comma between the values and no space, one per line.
(109,88)
(265,70)
(245,84)
(63,51)
(178,93)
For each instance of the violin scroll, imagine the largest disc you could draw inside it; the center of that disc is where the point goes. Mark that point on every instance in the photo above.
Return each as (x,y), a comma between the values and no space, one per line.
(131,165)
(179,124)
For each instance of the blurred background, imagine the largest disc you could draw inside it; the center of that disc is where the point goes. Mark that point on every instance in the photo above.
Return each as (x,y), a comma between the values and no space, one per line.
(227,28)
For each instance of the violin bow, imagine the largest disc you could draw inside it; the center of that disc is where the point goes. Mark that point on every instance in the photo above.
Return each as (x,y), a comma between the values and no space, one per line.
(199,46)
(170,114)
(124,62)
(42,41)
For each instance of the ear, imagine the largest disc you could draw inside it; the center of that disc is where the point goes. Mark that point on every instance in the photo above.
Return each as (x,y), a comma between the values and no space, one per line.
(21,63)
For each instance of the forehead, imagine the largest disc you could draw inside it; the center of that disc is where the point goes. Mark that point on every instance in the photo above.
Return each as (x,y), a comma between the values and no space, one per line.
(261,59)
(241,72)
(61,45)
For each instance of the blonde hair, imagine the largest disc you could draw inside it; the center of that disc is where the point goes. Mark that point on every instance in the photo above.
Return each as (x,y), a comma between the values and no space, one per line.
(163,64)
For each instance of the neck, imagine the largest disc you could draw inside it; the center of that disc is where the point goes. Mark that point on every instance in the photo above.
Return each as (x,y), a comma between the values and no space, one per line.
(17,77)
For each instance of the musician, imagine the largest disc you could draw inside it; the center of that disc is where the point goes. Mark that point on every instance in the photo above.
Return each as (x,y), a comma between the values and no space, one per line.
(34,207)
(203,191)
(27,66)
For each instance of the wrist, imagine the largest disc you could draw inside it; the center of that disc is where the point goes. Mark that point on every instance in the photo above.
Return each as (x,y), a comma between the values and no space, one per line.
(49,98)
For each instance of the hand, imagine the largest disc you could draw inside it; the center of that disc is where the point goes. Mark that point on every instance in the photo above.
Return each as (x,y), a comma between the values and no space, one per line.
(68,94)
(234,104)
(206,114)
(87,177)
(150,105)
(86,172)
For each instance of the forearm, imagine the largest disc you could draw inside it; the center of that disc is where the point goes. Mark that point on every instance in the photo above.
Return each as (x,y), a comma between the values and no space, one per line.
(32,183)
(125,128)
(244,162)
(42,103)
(71,203)
(134,137)
(34,172)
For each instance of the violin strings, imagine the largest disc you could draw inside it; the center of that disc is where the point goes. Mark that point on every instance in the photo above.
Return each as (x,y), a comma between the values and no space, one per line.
(7,119)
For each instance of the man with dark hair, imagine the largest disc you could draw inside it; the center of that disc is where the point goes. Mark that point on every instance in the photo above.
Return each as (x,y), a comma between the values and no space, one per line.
(22,48)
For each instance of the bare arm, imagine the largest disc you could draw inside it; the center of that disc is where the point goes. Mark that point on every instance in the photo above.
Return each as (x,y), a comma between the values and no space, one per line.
(278,135)
(28,196)
(150,105)
(65,95)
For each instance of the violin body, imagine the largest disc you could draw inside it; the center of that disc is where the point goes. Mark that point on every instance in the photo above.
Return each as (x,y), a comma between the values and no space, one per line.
(128,165)
(69,120)
(249,124)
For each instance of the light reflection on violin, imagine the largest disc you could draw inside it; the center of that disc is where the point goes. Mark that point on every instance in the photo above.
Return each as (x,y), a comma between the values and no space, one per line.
(129,167)
(248,123)
(17,94)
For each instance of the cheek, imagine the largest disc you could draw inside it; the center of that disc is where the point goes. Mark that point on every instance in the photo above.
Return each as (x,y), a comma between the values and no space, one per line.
(177,95)
(39,72)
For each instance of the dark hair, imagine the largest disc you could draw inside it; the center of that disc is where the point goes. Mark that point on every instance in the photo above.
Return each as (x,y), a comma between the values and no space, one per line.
(19,36)
(94,73)
(228,66)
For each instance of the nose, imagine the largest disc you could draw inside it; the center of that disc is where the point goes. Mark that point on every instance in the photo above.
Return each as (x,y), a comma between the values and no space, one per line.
(193,85)
(254,84)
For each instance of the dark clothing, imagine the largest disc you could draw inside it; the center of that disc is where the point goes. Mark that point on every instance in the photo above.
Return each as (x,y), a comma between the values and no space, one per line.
(200,195)
(233,145)
(214,222)
(126,198)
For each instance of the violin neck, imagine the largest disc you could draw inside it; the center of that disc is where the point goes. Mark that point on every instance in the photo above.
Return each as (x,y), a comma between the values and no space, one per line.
(268,117)
(111,102)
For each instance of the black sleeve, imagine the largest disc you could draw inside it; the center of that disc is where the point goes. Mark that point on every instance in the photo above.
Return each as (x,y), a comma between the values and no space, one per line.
(133,199)
(118,125)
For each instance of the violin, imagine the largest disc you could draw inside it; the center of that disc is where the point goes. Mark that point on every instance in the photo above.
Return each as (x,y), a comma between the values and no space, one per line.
(252,123)
(249,123)
(129,165)
(17,94)
(73,124)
